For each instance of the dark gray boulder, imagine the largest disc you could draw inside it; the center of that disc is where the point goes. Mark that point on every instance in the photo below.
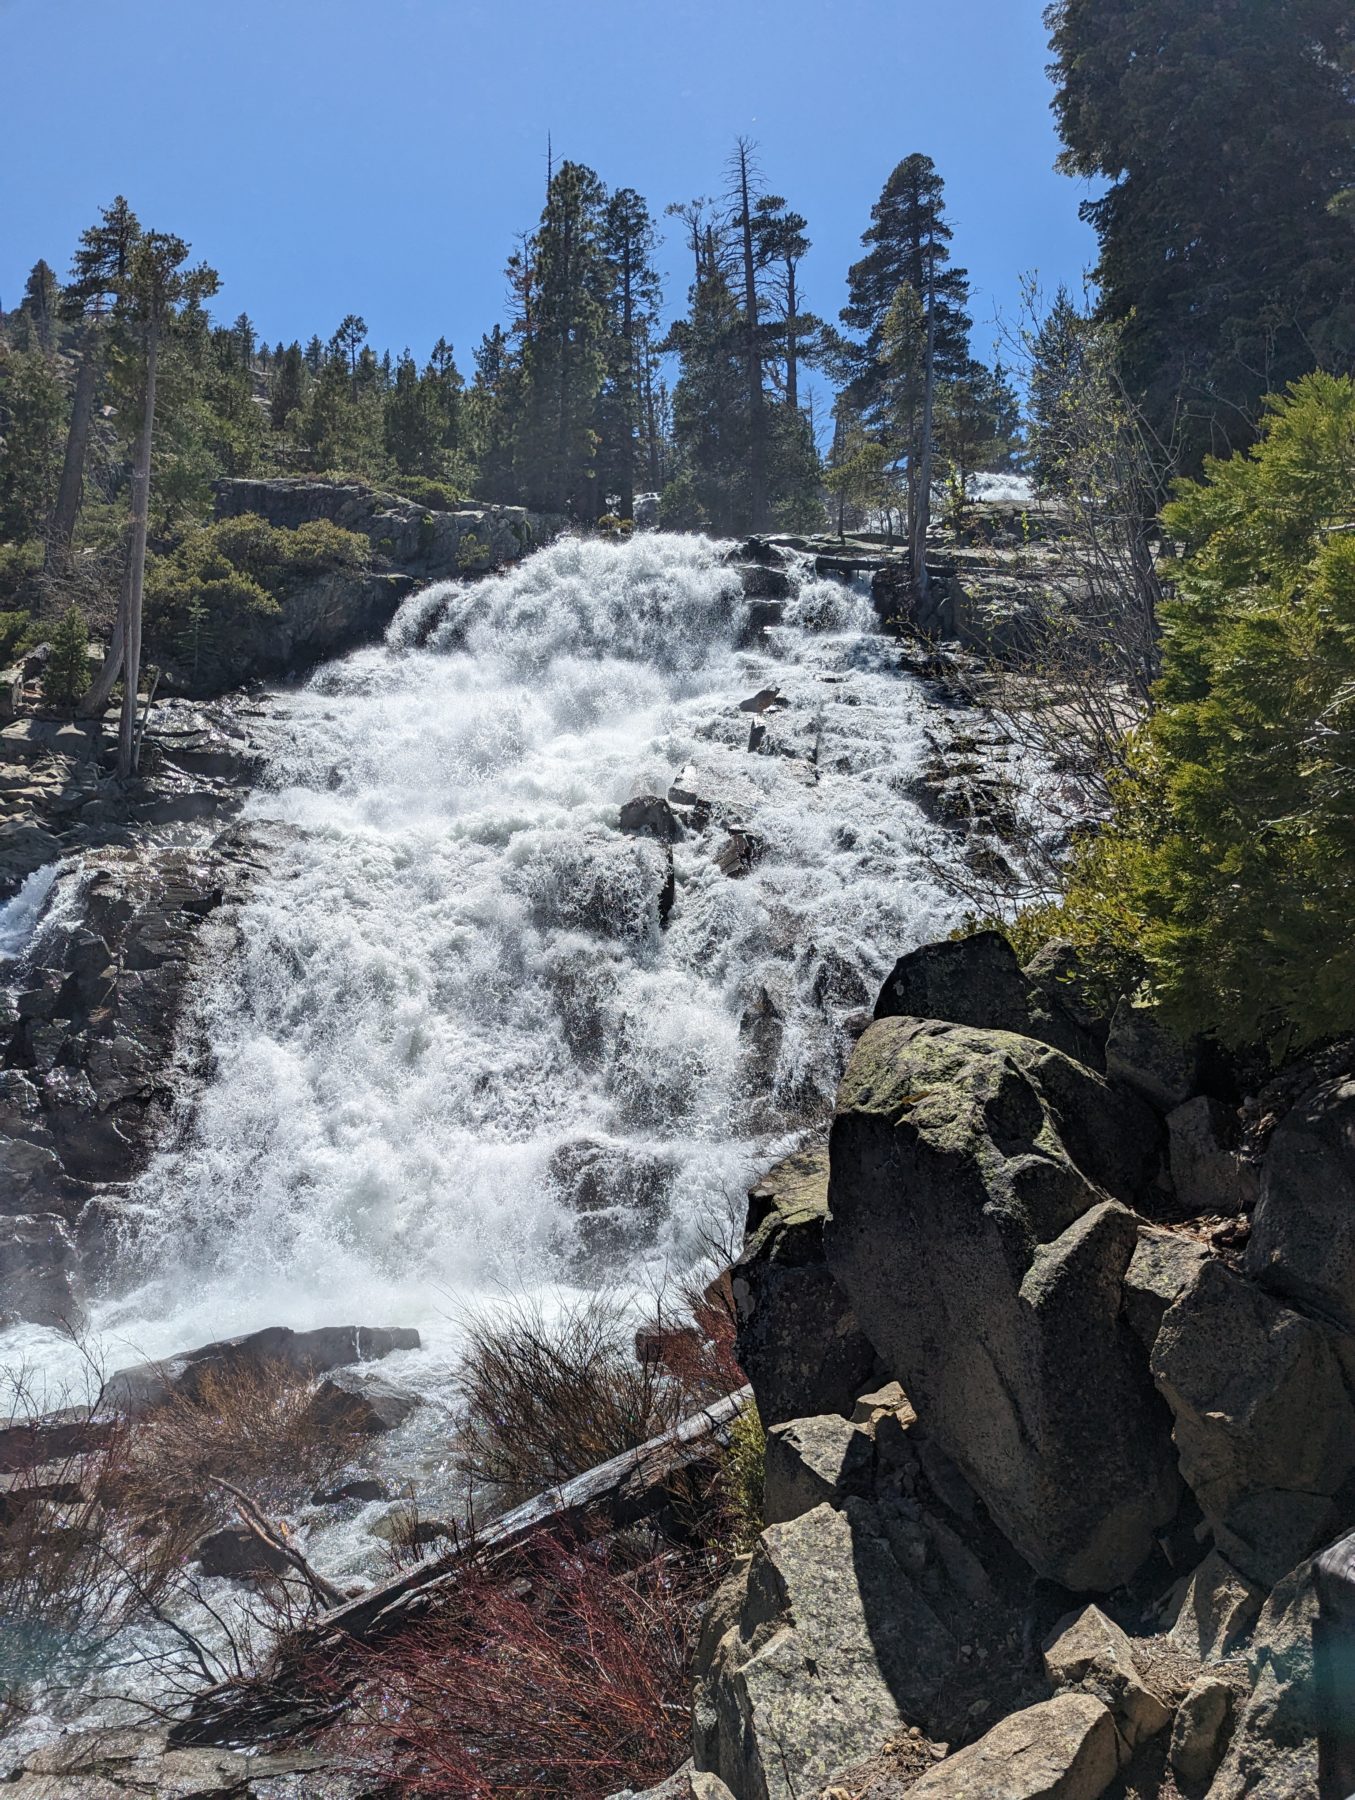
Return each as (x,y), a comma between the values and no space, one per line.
(1150,1056)
(1264,1419)
(37,1270)
(816,1655)
(798,1339)
(650,815)
(300,1352)
(1303,1230)
(973,1230)
(977,981)
(1207,1171)
(1273,1751)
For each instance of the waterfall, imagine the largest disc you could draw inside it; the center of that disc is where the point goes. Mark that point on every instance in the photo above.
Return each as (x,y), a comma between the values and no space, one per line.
(460,1048)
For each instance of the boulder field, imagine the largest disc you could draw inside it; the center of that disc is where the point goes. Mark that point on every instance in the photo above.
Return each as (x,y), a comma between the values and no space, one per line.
(1057,1373)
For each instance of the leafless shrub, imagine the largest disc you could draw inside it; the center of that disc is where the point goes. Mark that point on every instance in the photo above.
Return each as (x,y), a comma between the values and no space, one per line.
(1079,669)
(548,1394)
(570,1679)
(248,1424)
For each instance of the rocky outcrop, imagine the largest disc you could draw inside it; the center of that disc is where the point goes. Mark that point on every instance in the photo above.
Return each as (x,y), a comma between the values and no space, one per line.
(88,1032)
(972,1232)
(1264,1419)
(1035,1222)
(798,1339)
(822,1650)
(120,1764)
(419,539)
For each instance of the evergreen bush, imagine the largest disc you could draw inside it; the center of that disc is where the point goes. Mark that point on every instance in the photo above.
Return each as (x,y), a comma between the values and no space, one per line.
(1229,861)
(66,676)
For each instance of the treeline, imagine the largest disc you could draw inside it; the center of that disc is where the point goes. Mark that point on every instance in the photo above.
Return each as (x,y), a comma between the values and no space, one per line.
(569,407)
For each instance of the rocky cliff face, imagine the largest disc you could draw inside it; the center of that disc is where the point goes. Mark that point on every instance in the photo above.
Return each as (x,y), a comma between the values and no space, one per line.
(1063,1545)
(335,610)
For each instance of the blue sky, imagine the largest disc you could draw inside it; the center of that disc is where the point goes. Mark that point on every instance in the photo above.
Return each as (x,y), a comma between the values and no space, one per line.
(379,158)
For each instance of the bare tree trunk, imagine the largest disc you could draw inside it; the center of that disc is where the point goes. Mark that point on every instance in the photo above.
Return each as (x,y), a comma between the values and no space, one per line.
(136,565)
(99,692)
(792,342)
(922,498)
(628,392)
(757,415)
(62,528)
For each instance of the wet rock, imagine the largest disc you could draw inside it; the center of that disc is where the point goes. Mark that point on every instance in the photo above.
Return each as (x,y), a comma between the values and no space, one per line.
(349,1403)
(1273,1751)
(618,887)
(1152,1058)
(739,854)
(1062,1749)
(762,582)
(617,1191)
(649,815)
(1264,1419)
(1200,1730)
(37,1270)
(24,848)
(1207,1172)
(1217,1609)
(827,1650)
(759,551)
(970,1231)
(299,1352)
(798,1339)
(1089,1652)
(1303,1230)
(362,1489)
(761,700)
(1163,1266)
(96,1033)
(239,1554)
(810,1461)
(760,617)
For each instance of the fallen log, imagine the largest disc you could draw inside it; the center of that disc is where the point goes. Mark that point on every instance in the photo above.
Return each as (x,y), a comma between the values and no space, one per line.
(639,1484)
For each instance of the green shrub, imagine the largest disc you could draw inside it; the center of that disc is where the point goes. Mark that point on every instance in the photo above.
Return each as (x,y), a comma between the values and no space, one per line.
(1229,862)
(438,496)
(206,599)
(19,631)
(66,676)
(742,1476)
(19,563)
(473,557)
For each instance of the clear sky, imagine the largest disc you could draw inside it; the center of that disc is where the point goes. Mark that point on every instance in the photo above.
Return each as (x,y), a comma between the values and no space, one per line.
(330,156)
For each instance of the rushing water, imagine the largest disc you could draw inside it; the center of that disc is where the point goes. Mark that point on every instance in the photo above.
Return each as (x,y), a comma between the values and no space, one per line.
(458,1052)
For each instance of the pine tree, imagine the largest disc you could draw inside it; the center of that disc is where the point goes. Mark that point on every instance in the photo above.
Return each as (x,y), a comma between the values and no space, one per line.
(40,303)
(98,277)
(413,427)
(289,385)
(155,289)
(907,245)
(632,300)
(31,405)
(563,359)
(1224,131)
(65,678)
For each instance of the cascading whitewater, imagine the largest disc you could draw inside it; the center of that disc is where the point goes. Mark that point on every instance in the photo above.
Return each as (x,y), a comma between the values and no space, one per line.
(459,1047)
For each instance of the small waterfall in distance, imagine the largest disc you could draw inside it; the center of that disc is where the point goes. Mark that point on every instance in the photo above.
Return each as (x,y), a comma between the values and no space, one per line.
(459,1051)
